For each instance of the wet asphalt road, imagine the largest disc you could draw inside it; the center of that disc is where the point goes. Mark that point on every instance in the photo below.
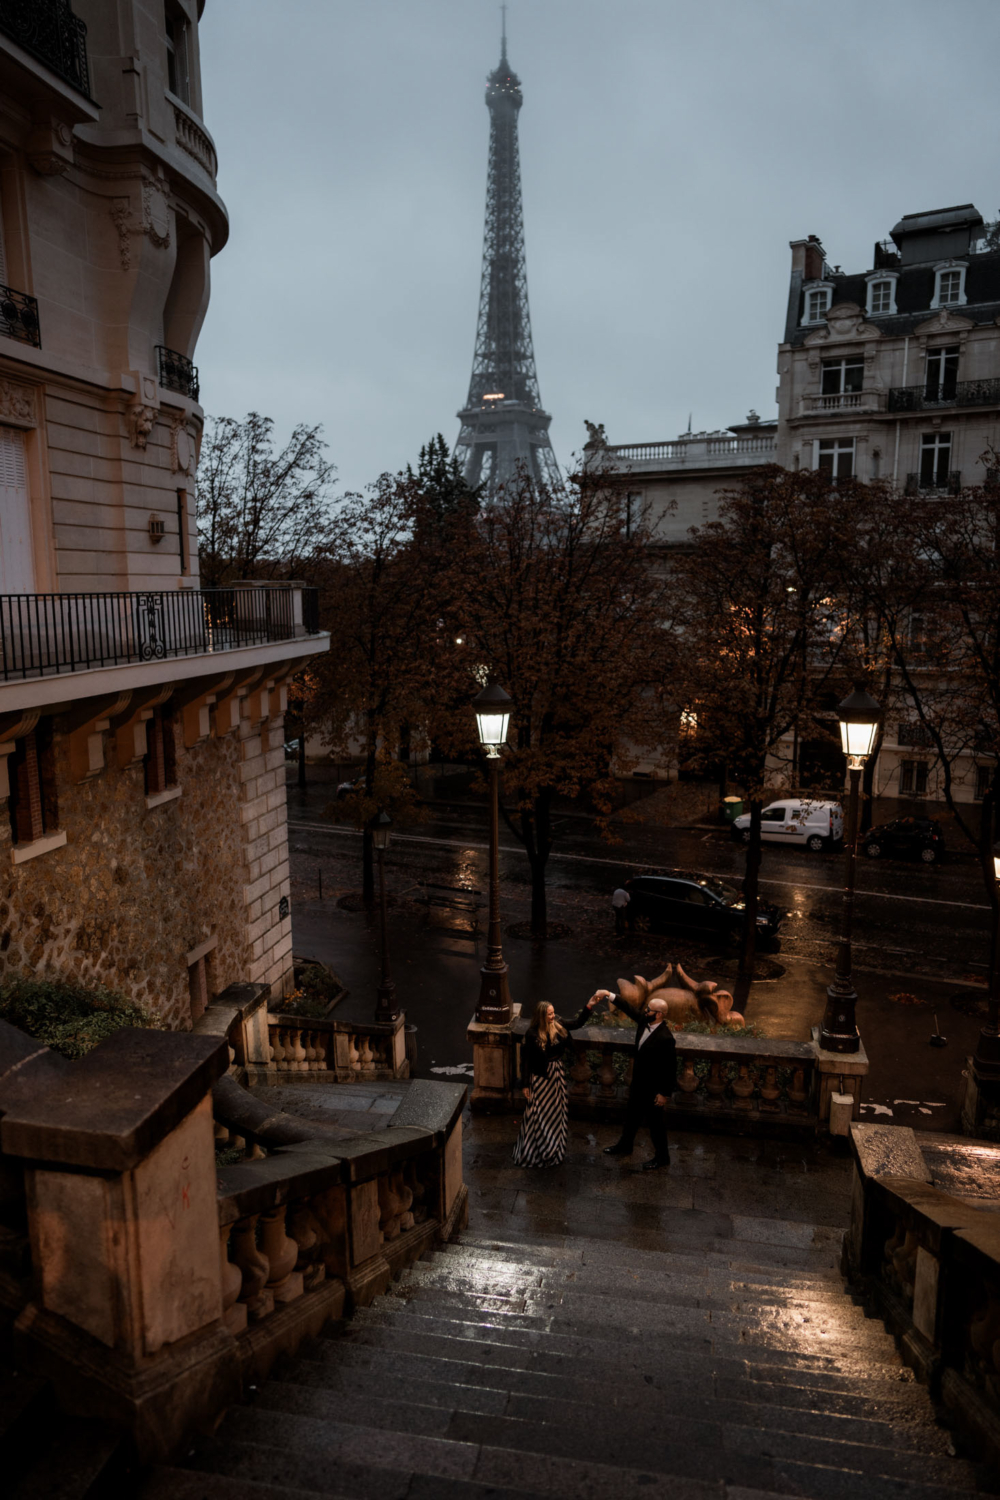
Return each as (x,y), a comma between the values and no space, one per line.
(909,918)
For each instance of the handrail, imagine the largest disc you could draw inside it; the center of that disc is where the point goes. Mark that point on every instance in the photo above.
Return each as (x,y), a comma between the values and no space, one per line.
(46,634)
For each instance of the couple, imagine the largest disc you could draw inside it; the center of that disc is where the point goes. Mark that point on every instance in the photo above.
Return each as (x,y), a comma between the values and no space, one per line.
(541,1140)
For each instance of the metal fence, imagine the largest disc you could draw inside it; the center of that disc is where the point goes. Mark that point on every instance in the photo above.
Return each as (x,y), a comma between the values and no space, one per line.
(50,31)
(45,634)
(176,372)
(928,397)
(19,317)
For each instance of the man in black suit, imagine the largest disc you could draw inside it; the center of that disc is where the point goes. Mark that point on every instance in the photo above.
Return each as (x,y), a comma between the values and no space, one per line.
(654,1078)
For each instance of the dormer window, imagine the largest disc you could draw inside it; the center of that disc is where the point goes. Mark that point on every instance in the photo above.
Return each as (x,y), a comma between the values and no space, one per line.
(881,296)
(949,285)
(817,303)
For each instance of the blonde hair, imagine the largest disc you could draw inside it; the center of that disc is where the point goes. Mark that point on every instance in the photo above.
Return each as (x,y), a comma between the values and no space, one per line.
(540,1025)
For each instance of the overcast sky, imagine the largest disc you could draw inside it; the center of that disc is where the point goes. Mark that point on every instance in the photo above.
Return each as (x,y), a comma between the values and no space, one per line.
(669,152)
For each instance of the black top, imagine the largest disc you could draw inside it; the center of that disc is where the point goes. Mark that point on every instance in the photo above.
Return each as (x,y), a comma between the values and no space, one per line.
(535,1059)
(654,1070)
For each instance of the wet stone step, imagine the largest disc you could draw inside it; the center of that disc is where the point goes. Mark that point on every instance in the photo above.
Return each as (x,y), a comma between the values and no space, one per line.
(788,1408)
(563,1336)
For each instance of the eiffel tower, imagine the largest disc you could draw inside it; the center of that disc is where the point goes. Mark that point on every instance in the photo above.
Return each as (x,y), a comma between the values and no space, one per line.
(503,424)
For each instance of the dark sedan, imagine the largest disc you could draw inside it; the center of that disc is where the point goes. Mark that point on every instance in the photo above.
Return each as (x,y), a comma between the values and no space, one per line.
(697,906)
(907,838)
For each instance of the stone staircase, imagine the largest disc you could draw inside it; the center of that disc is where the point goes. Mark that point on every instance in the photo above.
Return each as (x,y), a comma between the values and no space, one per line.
(708,1355)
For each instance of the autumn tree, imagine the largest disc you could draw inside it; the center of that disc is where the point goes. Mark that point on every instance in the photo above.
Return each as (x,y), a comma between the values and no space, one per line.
(929,568)
(758,602)
(377,603)
(262,513)
(553,597)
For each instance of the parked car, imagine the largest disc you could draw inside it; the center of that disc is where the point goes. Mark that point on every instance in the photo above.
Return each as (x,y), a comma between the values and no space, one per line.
(795,821)
(909,838)
(697,906)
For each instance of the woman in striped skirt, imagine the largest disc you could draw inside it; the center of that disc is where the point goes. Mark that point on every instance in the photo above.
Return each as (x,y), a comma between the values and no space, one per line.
(541,1140)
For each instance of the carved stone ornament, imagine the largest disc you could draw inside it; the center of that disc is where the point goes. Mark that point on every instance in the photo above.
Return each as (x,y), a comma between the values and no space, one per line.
(844,321)
(595,435)
(152,221)
(17,403)
(181,447)
(944,321)
(141,420)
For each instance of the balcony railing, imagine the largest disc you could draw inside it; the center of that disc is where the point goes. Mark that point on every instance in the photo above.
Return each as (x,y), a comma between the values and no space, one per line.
(177,373)
(19,315)
(42,635)
(843,401)
(50,31)
(697,450)
(929,398)
(915,486)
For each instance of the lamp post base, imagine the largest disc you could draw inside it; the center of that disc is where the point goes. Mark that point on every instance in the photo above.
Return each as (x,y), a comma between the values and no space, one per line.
(839,1032)
(986,1058)
(494,1008)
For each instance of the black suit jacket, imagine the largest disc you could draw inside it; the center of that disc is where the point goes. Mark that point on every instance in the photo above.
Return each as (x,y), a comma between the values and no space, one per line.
(654,1070)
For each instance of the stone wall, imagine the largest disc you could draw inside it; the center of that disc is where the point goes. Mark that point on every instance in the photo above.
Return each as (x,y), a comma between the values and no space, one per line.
(134,890)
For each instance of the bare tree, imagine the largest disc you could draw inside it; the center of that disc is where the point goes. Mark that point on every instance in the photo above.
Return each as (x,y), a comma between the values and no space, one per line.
(261,513)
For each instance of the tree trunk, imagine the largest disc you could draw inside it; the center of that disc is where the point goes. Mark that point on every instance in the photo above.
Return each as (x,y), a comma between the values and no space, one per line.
(302,762)
(367,847)
(748,946)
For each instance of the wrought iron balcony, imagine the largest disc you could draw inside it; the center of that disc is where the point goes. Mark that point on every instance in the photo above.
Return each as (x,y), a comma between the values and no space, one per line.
(915,487)
(42,635)
(50,31)
(176,372)
(19,315)
(930,398)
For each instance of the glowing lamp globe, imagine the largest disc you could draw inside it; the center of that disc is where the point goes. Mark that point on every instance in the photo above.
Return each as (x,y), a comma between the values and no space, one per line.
(859,716)
(381,826)
(492,709)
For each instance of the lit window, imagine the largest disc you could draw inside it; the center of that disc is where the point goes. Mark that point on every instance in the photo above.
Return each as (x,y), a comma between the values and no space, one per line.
(835,456)
(984,776)
(935,460)
(842,375)
(942,374)
(949,287)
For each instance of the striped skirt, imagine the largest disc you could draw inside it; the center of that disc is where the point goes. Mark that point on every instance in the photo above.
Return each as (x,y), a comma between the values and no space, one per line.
(541,1140)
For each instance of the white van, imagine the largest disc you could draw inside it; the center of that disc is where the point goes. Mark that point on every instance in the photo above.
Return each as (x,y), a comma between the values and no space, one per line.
(817,825)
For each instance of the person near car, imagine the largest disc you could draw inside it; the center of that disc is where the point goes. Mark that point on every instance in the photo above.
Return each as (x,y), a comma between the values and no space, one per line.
(654,1078)
(619,905)
(541,1140)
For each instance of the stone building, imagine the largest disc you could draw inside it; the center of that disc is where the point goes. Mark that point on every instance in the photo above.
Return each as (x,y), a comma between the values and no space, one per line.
(894,372)
(143,839)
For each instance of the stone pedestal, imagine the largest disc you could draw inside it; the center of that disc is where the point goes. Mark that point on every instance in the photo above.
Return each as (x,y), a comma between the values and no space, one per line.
(493,1054)
(981,1110)
(118,1153)
(839,1073)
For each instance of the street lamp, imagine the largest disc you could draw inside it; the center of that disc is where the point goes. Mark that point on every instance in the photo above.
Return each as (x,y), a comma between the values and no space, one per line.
(385,1004)
(859,716)
(492,709)
(986,1058)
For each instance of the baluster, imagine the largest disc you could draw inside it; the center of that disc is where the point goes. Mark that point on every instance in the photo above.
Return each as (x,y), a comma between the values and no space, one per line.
(797,1092)
(419,1191)
(367,1061)
(404,1194)
(281,1253)
(606,1073)
(254,1269)
(580,1074)
(389,1209)
(319,1049)
(308,1047)
(277,1050)
(301,1065)
(353,1055)
(743,1088)
(769,1090)
(307,1234)
(234,1313)
(716,1085)
(687,1082)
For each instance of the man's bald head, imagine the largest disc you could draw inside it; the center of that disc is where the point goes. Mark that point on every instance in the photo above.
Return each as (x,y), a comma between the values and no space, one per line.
(657,1010)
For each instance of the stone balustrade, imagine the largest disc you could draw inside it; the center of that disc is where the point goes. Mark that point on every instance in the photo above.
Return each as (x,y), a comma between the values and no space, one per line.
(349,1051)
(929,1264)
(157,1285)
(723,1081)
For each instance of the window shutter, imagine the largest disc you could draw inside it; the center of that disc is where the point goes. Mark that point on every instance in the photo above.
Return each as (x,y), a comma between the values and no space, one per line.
(16,571)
